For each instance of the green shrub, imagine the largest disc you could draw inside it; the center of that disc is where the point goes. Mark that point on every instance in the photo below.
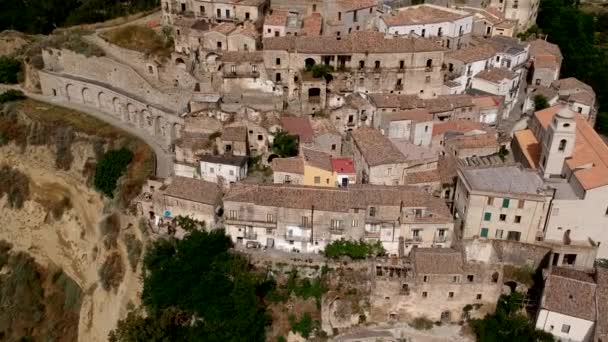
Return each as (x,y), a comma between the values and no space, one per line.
(111,272)
(304,326)
(11,95)
(421,323)
(353,249)
(134,249)
(14,184)
(9,70)
(109,169)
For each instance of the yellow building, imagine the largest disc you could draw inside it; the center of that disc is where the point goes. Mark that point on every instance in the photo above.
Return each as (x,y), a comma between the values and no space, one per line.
(317,168)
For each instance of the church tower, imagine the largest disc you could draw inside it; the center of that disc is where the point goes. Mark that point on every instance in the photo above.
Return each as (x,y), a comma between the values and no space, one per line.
(558,143)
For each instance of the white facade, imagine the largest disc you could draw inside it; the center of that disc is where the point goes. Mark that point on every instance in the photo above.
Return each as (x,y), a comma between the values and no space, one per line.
(214,172)
(564,327)
(506,87)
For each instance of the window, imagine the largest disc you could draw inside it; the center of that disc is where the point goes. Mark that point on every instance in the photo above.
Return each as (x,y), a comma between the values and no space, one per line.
(304,221)
(423,32)
(503,217)
(565,328)
(490,200)
(278,61)
(416,233)
(260,137)
(487,216)
(233,69)
(427,79)
(339,15)
(219,45)
(478,296)
(269,31)
(317,180)
(562,145)
(227,13)
(314,7)
(269,218)
(520,204)
(211,170)
(336,224)
(361,64)
(425,279)
(429,64)
(424,294)
(372,211)
(247,15)
(484,232)
(401,64)
(513,236)
(277,33)
(150,70)
(517,219)
(498,233)
(470,278)
(278,77)
(450,294)
(389,171)
(232,214)
(287,179)
(377,64)
(178,32)
(439,33)
(219,13)
(333,147)
(569,259)
(231,172)
(505,203)
(455,279)
(355,223)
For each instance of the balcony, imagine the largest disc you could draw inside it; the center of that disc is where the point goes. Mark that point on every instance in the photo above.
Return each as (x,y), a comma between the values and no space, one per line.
(260,224)
(301,238)
(242,74)
(250,236)
(441,238)
(337,231)
(414,239)
(370,234)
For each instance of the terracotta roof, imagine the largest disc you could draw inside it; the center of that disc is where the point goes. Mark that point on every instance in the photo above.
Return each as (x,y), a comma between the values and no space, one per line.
(288,165)
(419,177)
(437,261)
(242,57)
(445,103)
(321,126)
(376,148)
(590,154)
(540,47)
(201,25)
(356,100)
(277,18)
(472,53)
(224,159)
(422,14)
(224,28)
(415,115)
(235,134)
(529,146)
(570,292)
(312,25)
(193,140)
(473,141)
(486,101)
(248,30)
(447,169)
(396,101)
(194,190)
(548,93)
(461,126)
(298,126)
(360,41)
(343,165)
(602,303)
(338,199)
(317,159)
(546,62)
(582,97)
(496,75)
(351,5)
(571,83)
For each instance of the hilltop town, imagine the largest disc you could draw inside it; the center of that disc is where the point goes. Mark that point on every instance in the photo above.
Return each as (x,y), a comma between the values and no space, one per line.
(435,135)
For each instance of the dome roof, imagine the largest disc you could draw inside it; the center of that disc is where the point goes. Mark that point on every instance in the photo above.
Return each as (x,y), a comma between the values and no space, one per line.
(566,113)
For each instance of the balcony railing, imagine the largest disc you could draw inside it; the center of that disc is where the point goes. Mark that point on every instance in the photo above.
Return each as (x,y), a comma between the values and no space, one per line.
(335,230)
(242,74)
(441,238)
(291,237)
(371,234)
(250,236)
(414,239)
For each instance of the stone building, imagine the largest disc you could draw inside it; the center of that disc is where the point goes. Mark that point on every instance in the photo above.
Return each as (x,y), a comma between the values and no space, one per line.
(306,219)
(450,28)
(505,202)
(546,62)
(355,111)
(488,22)
(223,169)
(377,159)
(437,285)
(463,139)
(326,137)
(443,107)
(364,61)
(415,125)
(189,197)
(500,82)
(464,64)
(214,10)
(579,96)
(234,141)
(523,12)
(288,170)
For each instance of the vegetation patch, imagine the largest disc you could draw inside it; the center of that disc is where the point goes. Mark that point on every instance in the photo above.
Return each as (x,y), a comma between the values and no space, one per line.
(109,228)
(11,95)
(421,323)
(134,250)
(140,38)
(304,326)
(111,272)
(110,168)
(10,69)
(354,249)
(14,184)
(284,144)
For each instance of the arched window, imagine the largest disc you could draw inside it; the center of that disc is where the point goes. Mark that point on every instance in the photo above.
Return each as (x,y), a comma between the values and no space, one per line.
(562,145)
(429,63)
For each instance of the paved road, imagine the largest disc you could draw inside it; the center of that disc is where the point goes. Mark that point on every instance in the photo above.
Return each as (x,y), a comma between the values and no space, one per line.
(164,158)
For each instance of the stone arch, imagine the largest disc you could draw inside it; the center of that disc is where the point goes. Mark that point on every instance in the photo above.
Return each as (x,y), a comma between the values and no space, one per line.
(180,63)
(117,106)
(309,63)
(87,96)
(104,102)
(158,130)
(71,92)
(147,121)
(176,131)
(211,57)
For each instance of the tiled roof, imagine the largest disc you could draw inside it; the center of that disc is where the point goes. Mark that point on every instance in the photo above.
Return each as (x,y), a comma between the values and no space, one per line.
(415,115)
(570,292)
(590,154)
(356,100)
(472,53)
(461,126)
(486,101)
(317,159)
(548,93)
(602,303)
(201,25)
(447,169)
(299,126)
(437,261)
(194,190)
(571,83)
(529,146)
(360,41)
(288,165)
(376,148)
(224,28)
(496,75)
(322,125)
(546,62)
(444,103)
(539,47)
(422,14)
(582,97)
(242,57)
(248,30)
(312,25)
(509,179)
(338,199)
(277,18)
(396,101)
(473,141)
(235,134)
(419,177)
(343,165)
(414,153)
(351,5)
(224,159)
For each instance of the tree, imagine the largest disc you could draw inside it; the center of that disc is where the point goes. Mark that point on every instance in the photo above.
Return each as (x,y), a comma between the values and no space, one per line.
(540,102)
(111,166)
(284,144)
(9,70)
(211,296)
(508,324)
(353,249)
(11,95)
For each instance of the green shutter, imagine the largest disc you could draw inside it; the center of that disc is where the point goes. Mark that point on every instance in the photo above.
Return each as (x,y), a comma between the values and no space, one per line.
(487,216)
(505,203)
(484,232)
